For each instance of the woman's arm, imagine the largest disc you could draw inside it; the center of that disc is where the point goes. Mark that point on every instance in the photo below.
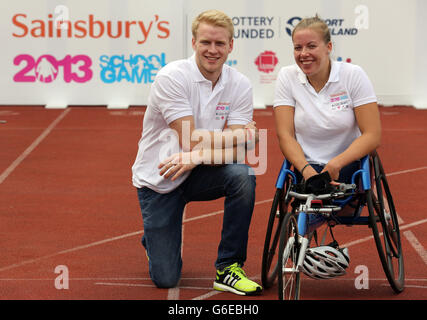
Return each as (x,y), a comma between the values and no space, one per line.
(291,149)
(368,119)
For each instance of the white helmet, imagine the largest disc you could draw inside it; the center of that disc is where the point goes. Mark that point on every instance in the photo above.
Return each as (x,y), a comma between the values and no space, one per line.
(325,262)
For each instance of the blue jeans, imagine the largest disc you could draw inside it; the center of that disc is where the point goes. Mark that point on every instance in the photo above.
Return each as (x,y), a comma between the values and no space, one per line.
(162,216)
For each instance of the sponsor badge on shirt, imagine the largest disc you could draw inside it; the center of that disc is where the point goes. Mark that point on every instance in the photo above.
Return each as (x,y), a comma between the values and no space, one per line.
(222,110)
(339,101)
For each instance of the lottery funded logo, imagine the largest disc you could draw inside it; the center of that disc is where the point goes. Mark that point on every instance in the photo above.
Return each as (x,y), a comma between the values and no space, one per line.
(266,61)
(133,68)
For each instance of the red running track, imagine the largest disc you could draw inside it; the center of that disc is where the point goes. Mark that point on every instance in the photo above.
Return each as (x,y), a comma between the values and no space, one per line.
(66,199)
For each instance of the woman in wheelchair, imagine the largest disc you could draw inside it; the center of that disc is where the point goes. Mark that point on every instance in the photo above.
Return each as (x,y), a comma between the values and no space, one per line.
(328,126)
(326,112)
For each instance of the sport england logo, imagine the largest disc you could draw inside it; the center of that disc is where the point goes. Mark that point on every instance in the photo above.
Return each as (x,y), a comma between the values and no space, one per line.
(266,61)
(336,26)
(291,23)
(47,68)
(135,68)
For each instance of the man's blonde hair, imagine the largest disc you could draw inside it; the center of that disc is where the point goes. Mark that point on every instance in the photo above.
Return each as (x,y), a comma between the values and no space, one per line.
(215,18)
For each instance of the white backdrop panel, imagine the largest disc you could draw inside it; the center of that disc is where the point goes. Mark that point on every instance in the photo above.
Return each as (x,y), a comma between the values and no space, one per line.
(108,54)
(113,49)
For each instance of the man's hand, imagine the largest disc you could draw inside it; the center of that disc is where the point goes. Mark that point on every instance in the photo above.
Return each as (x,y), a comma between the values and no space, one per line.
(252,134)
(178,163)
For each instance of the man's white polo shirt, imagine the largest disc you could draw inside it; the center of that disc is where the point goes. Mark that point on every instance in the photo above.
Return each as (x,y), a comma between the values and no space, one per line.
(180,90)
(325,124)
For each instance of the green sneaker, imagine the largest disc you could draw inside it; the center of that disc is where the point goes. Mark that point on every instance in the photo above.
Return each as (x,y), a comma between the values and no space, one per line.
(234,279)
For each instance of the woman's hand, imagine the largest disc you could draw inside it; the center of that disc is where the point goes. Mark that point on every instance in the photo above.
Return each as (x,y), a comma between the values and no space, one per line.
(308,172)
(334,171)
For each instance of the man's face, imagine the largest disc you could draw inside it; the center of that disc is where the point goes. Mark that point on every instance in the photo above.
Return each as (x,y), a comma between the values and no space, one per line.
(211,46)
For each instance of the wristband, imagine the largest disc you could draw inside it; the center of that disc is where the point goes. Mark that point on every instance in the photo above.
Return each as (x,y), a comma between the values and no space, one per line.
(302,170)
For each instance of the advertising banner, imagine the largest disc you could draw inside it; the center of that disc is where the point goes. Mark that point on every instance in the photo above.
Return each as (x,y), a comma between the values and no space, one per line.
(378,35)
(107,52)
(82,52)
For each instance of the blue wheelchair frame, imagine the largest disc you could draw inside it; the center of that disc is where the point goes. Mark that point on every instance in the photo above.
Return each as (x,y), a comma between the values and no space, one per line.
(309,222)
(343,207)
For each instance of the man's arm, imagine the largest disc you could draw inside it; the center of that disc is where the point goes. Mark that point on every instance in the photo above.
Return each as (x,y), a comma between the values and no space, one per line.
(229,147)
(232,136)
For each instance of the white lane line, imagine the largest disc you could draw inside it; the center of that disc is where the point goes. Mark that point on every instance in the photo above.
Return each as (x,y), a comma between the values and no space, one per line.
(96,243)
(184,221)
(173,293)
(219,212)
(352,243)
(36,142)
(405,171)
(117,284)
(93,244)
(416,245)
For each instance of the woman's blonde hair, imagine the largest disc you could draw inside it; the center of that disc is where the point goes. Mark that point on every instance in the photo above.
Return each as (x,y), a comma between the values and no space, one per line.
(215,18)
(314,23)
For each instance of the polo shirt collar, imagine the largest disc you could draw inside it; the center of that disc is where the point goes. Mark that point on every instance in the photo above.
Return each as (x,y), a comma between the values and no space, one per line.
(333,75)
(198,76)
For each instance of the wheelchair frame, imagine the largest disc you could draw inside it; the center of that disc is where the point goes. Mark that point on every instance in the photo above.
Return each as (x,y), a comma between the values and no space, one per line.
(289,233)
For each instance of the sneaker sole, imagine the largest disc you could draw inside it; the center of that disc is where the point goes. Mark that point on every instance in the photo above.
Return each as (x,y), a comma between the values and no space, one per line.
(224,287)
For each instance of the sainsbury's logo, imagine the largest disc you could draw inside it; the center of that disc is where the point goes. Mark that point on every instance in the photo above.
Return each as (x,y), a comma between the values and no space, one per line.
(89,27)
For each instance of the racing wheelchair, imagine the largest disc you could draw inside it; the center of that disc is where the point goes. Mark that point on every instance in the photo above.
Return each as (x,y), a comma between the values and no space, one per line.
(299,209)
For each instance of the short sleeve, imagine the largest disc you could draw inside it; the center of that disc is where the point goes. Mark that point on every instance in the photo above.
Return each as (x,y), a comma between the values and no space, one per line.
(283,91)
(171,98)
(362,90)
(241,111)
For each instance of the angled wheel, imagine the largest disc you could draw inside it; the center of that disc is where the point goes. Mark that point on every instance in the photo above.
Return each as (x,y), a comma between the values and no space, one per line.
(385,227)
(289,280)
(278,210)
(277,213)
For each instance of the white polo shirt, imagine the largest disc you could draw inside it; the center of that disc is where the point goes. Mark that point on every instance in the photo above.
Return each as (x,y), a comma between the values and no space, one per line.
(325,124)
(180,90)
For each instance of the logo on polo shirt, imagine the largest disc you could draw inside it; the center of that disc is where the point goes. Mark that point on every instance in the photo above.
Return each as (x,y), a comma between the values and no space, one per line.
(266,61)
(339,101)
(222,110)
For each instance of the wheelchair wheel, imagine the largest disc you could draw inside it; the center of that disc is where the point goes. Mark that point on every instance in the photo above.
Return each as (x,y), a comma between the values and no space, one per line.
(289,275)
(277,213)
(385,228)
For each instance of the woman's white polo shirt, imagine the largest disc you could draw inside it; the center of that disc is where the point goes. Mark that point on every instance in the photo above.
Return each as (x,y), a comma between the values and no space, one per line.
(325,124)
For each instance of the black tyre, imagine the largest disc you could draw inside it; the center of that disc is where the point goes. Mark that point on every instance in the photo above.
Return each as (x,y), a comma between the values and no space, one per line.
(277,213)
(289,280)
(385,227)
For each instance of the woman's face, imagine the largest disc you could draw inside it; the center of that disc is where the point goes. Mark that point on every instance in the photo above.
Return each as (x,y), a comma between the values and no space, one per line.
(311,53)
